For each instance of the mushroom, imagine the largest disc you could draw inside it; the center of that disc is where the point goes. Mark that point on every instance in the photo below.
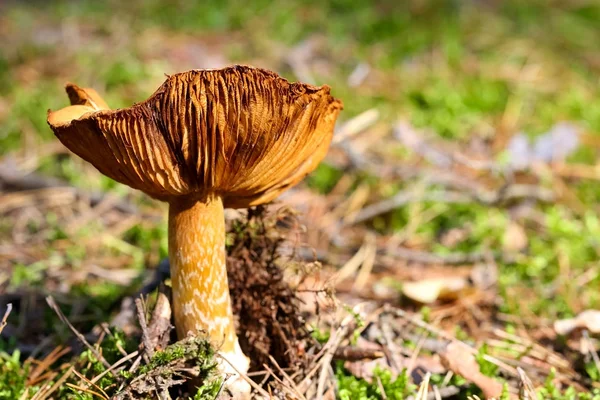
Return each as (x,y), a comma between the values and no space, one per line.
(206,139)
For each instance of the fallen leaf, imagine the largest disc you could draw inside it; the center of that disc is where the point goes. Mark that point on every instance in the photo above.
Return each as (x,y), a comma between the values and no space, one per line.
(515,239)
(365,369)
(457,359)
(519,152)
(429,290)
(589,319)
(555,145)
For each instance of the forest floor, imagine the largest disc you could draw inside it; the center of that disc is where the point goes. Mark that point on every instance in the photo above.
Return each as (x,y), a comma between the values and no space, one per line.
(447,247)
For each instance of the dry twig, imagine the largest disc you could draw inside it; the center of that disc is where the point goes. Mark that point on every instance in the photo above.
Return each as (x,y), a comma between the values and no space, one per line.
(5,317)
(141,312)
(260,390)
(52,303)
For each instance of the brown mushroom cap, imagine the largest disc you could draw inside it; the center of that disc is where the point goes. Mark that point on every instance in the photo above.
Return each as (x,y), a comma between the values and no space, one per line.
(243,133)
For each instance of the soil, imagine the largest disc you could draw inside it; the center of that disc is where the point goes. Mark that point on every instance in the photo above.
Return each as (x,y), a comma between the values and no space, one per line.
(270,321)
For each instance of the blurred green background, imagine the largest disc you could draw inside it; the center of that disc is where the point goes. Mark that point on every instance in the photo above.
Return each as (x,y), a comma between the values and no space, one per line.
(462,70)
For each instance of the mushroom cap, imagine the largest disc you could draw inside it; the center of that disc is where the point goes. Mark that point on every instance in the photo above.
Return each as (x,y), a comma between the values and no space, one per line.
(243,133)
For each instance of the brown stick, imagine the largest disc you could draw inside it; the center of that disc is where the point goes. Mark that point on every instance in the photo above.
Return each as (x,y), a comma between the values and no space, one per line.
(52,303)
(3,323)
(13,179)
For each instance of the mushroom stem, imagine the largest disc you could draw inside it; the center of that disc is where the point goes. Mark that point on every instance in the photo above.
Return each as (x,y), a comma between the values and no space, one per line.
(201,299)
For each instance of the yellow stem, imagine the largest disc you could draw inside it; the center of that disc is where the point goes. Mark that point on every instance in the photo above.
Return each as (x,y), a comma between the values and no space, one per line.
(199,277)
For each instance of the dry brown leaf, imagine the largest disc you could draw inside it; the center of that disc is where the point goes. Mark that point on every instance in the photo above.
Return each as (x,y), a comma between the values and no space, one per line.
(457,359)
(365,369)
(429,290)
(589,319)
(515,238)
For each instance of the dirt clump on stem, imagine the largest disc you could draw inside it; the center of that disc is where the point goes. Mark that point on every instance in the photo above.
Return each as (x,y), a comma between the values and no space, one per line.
(270,321)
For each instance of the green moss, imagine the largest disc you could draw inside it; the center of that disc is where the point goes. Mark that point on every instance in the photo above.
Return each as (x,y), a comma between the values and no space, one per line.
(197,349)
(486,367)
(324,178)
(551,391)
(320,335)
(352,388)
(13,375)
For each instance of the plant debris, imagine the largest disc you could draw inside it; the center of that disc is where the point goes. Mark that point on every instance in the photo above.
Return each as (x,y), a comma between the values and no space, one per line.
(271,326)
